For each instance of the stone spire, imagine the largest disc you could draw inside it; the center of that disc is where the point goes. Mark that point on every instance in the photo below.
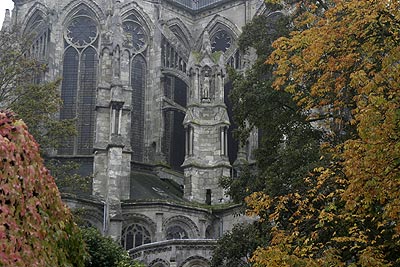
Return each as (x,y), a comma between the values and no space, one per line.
(6,21)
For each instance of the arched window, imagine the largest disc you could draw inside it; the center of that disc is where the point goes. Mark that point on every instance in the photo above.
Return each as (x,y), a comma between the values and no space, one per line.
(138,83)
(79,82)
(135,235)
(176,232)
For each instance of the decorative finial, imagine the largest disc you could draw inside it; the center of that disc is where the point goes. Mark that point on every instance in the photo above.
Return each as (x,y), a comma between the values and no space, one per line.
(206,47)
(7,20)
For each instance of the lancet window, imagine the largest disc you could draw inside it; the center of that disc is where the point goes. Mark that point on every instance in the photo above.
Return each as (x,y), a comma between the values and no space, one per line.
(136,39)
(138,83)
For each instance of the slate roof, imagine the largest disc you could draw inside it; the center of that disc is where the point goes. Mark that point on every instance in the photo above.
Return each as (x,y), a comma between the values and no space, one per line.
(147,186)
(197,5)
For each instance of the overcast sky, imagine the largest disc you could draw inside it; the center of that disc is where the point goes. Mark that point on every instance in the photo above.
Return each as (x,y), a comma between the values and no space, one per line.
(5,4)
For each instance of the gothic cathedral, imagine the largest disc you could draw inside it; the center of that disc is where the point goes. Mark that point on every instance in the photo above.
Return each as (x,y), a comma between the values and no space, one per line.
(146,82)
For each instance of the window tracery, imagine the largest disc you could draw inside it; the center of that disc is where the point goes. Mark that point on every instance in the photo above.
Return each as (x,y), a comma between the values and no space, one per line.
(221,41)
(135,235)
(81,31)
(135,33)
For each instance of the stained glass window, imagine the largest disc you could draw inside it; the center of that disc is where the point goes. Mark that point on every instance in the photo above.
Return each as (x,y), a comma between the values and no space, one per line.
(68,95)
(86,101)
(138,82)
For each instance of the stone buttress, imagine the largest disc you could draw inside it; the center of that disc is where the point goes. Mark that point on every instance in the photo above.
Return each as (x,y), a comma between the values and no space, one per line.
(111,171)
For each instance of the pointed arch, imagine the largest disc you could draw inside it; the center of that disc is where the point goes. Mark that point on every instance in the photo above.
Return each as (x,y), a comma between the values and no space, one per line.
(184,223)
(159,263)
(137,229)
(37,9)
(223,30)
(37,28)
(35,22)
(133,9)
(220,22)
(181,31)
(76,7)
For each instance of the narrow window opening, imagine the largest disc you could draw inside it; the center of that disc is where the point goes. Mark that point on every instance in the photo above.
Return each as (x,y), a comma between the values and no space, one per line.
(208,196)
(116,117)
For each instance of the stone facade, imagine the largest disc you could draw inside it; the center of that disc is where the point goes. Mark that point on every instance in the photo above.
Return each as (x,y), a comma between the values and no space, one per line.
(146,81)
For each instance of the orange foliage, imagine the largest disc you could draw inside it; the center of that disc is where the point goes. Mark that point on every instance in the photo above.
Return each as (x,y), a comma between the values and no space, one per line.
(348,59)
(36,228)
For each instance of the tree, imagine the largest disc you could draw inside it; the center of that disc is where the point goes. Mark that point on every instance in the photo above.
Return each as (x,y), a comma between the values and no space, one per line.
(36,228)
(343,62)
(236,247)
(288,144)
(23,90)
(104,252)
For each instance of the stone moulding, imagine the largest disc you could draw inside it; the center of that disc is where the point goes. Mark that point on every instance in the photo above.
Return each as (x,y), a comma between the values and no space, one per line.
(177,244)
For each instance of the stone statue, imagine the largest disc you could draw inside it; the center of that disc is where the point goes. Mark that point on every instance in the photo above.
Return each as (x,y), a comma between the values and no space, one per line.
(206,86)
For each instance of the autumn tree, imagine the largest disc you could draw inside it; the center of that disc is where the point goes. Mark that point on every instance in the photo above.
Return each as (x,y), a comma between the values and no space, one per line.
(341,65)
(36,228)
(288,145)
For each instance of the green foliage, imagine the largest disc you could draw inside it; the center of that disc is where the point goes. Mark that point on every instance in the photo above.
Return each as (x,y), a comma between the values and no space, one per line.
(23,91)
(235,248)
(66,177)
(36,228)
(104,252)
(289,145)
